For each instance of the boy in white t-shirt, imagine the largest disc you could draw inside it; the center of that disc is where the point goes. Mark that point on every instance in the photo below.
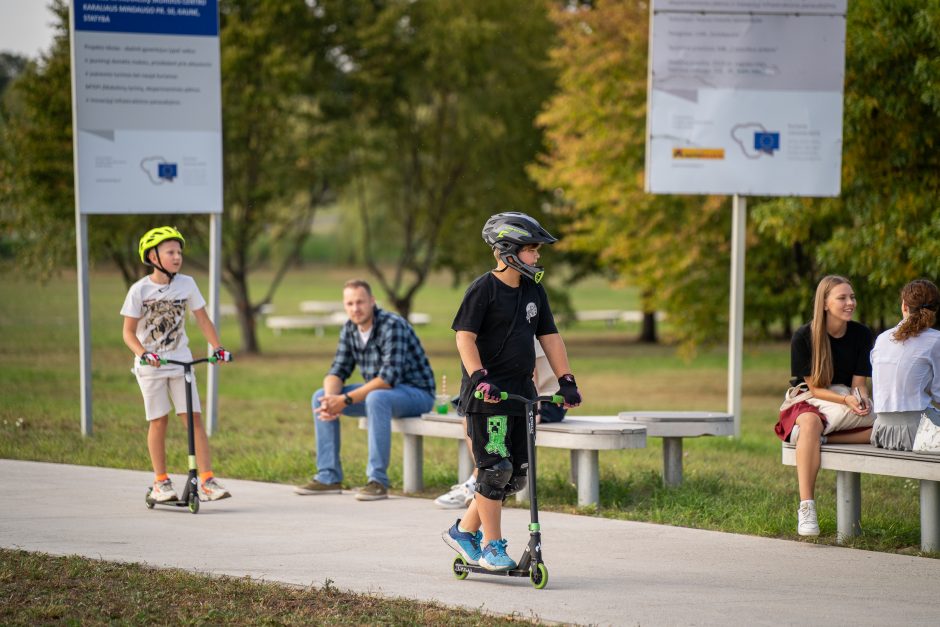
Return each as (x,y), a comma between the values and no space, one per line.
(154,328)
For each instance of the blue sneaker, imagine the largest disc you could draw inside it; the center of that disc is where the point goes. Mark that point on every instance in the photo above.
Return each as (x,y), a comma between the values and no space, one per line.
(464,542)
(495,558)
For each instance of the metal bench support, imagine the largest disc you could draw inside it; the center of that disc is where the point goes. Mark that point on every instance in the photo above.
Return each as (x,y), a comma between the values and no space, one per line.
(929,515)
(848,504)
(413,460)
(672,461)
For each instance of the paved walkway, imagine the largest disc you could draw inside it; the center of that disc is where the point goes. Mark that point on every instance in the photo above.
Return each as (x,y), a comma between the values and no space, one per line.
(600,571)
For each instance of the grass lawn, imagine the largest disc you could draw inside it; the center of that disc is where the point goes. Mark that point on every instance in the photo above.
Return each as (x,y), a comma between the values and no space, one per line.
(40,589)
(265,430)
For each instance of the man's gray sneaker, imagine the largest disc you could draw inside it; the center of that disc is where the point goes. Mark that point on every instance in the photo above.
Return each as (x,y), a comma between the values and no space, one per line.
(372,491)
(315,487)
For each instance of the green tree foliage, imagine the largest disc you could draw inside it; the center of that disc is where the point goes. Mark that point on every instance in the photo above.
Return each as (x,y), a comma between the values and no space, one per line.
(11,65)
(283,143)
(675,249)
(444,94)
(884,229)
(881,232)
(36,167)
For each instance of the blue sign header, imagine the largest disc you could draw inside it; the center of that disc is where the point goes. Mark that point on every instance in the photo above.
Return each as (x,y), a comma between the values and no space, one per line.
(156,17)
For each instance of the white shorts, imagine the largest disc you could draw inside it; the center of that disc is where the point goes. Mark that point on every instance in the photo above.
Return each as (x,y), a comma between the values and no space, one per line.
(158,391)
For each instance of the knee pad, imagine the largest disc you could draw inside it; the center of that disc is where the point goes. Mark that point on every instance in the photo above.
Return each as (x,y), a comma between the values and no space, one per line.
(492,481)
(516,484)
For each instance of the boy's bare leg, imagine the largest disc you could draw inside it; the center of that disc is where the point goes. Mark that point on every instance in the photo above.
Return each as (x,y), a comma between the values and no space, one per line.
(156,444)
(203,457)
(486,513)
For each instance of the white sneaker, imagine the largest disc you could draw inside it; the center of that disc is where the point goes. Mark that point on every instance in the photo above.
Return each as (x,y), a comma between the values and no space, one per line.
(459,497)
(212,490)
(808,525)
(163,491)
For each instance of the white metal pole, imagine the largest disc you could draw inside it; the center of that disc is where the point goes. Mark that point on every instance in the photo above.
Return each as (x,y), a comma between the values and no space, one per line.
(84,319)
(81,255)
(215,253)
(736,317)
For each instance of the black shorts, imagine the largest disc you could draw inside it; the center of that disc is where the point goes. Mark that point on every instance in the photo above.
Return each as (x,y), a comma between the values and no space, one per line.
(498,437)
(550,412)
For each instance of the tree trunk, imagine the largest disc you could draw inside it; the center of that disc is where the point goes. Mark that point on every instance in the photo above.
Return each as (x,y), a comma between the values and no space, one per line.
(648,328)
(246,315)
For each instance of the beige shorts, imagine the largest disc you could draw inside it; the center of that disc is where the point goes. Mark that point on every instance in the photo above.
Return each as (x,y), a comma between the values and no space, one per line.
(158,391)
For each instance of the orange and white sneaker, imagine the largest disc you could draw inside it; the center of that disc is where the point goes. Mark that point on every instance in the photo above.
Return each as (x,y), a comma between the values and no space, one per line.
(163,491)
(212,490)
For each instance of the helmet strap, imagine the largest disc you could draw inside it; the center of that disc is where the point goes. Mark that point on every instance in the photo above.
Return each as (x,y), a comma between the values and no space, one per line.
(159,265)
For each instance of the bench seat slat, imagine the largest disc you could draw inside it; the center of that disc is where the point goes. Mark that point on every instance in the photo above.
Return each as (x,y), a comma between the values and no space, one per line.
(867,459)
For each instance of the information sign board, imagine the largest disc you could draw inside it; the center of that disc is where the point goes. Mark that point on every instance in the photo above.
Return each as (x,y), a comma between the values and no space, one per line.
(745,97)
(146,91)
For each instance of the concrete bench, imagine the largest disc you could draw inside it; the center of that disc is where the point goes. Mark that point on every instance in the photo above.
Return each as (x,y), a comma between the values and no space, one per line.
(321,307)
(585,436)
(607,316)
(672,426)
(317,323)
(850,461)
(228,309)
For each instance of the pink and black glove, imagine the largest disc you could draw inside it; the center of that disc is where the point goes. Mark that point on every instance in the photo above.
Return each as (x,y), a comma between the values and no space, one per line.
(479,384)
(151,359)
(568,389)
(222,355)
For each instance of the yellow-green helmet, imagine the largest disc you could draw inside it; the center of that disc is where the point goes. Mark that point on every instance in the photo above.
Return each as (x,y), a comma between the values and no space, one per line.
(154,237)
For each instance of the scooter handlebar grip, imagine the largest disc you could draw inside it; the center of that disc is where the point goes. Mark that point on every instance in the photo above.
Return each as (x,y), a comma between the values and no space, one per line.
(558,399)
(502,395)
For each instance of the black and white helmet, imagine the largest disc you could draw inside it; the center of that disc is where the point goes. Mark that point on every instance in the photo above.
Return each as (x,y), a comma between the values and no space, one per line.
(507,233)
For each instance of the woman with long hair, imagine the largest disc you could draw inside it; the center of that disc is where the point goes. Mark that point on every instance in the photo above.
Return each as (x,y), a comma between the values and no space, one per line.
(831,349)
(906,369)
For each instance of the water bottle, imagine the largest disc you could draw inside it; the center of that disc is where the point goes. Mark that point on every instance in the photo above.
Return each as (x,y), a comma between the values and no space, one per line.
(442,401)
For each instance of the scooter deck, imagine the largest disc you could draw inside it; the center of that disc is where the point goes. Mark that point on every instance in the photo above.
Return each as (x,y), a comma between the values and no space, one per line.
(470,568)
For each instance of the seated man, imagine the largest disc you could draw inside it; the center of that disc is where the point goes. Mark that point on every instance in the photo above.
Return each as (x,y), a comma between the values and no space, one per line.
(399,382)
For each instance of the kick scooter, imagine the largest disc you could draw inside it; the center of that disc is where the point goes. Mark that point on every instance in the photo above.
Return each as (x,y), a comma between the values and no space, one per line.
(530,564)
(190,496)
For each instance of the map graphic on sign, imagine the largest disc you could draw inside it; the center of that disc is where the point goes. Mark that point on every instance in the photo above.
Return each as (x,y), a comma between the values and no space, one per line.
(754,140)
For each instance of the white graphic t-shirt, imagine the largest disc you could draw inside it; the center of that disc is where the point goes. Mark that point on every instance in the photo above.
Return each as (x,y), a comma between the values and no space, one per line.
(161,327)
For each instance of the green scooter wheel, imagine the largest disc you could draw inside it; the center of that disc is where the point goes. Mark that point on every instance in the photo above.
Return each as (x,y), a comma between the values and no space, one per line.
(539,575)
(194,504)
(459,574)
(149,501)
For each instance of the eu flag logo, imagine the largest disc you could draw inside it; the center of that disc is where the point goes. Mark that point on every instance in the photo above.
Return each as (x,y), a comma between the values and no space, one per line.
(166,171)
(766,142)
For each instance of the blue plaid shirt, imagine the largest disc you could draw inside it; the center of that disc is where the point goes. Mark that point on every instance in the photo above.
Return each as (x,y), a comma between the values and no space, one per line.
(393,353)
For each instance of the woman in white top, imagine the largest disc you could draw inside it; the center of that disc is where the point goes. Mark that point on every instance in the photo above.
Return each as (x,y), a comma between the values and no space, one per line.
(906,369)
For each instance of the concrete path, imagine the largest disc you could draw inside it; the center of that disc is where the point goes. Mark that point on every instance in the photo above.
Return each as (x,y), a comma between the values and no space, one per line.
(600,571)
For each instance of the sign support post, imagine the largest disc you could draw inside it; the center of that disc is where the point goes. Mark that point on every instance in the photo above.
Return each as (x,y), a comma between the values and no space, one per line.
(736,313)
(84,320)
(212,382)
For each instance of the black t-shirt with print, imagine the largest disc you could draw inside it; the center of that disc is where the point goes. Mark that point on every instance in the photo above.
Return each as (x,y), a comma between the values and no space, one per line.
(505,320)
(850,353)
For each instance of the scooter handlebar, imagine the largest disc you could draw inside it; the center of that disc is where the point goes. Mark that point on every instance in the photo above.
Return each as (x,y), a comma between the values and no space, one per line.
(506,396)
(163,361)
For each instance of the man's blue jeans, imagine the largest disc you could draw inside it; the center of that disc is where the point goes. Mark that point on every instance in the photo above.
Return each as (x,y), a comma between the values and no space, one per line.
(379,407)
